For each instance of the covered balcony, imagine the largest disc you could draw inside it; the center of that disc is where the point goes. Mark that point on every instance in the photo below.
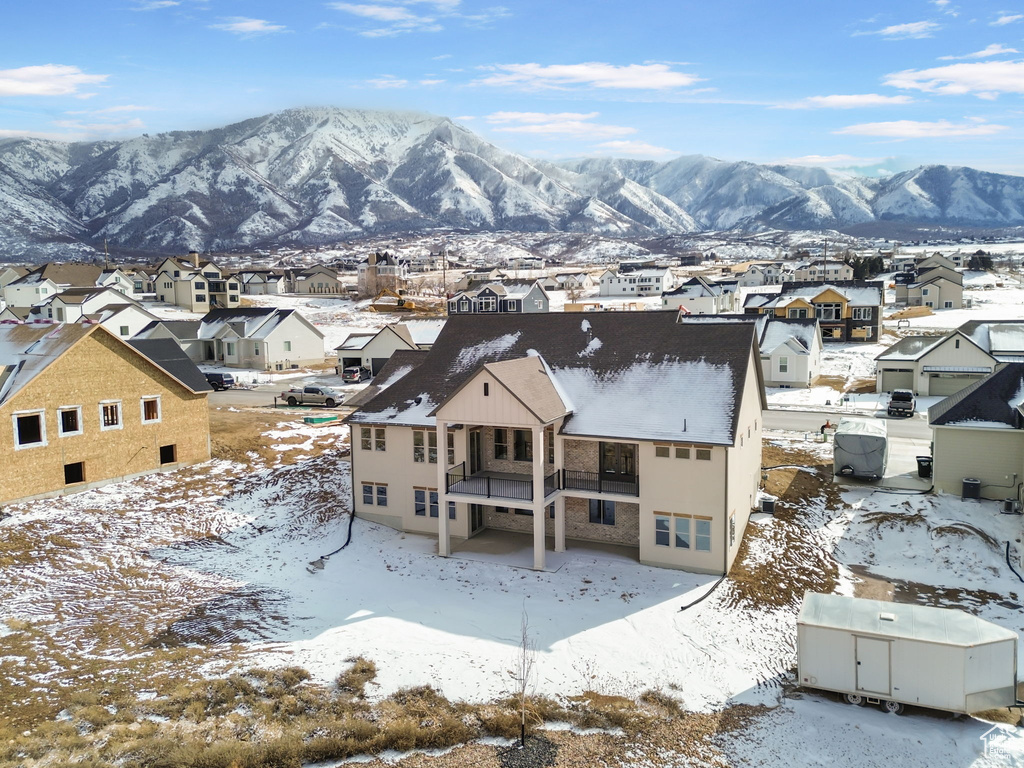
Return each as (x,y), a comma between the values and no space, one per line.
(504,486)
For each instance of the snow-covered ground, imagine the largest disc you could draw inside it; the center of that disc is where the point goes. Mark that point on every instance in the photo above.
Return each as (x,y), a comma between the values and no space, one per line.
(230,560)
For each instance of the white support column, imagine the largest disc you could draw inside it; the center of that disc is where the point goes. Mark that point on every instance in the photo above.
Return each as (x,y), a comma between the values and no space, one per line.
(444,544)
(539,464)
(560,499)
(560,524)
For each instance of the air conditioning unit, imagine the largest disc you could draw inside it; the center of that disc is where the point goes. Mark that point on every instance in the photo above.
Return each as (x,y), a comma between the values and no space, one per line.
(1011,507)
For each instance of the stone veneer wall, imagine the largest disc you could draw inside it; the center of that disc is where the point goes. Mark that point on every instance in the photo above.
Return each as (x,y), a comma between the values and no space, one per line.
(582,455)
(626,530)
(507,465)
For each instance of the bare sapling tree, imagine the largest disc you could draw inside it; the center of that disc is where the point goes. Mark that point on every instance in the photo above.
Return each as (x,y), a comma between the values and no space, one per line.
(522,673)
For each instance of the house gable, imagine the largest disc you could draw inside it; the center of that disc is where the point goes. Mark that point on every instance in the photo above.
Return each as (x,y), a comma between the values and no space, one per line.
(483,399)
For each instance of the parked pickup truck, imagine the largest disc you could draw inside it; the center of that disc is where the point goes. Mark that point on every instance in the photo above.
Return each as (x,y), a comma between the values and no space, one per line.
(312,396)
(901,403)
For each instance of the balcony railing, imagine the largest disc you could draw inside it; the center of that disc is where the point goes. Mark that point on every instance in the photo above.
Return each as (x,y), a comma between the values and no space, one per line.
(597,482)
(497,485)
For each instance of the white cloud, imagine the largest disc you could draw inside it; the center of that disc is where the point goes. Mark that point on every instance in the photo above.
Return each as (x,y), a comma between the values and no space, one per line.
(913,30)
(847,101)
(45,80)
(154,5)
(246,27)
(593,74)
(114,109)
(633,149)
(913,129)
(396,17)
(431,82)
(833,161)
(538,117)
(464,118)
(556,124)
(387,81)
(134,124)
(985,79)
(995,49)
(442,57)
(1005,19)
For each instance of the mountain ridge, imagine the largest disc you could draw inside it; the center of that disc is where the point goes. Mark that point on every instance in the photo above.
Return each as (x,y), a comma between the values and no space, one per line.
(316,175)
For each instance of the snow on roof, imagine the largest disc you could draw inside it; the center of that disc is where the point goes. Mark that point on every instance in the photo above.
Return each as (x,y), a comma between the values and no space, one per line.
(991,402)
(904,620)
(1006,337)
(647,400)
(858,296)
(649,379)
(910,348)
(423,332)
(355,341)
(778,331)
(470,356)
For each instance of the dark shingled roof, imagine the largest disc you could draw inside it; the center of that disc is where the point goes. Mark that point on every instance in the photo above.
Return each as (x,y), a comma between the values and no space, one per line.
(166,354)
(402,358)
(992,399)
(182,329)
(644,341)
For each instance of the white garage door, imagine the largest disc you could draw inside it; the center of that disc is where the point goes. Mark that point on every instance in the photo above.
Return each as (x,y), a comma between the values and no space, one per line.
(897,378)
(943,385)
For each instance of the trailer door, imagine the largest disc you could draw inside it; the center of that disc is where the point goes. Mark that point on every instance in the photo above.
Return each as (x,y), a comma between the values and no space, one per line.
(873,665)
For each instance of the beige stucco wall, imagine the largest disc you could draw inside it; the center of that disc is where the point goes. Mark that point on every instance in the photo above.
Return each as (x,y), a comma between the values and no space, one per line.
(990,455)
(499,407)
(724,486)
(396,468)
(100,368)
(744,468)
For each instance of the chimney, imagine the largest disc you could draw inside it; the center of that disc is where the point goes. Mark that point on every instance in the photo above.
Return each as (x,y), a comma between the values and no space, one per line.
(194,256)
(372,260)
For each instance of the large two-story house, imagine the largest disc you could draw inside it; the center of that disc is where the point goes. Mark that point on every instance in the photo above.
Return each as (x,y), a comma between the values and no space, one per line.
(640,282)
(509,296)
(621,428)
(196,285)
(846,311)
(80,407)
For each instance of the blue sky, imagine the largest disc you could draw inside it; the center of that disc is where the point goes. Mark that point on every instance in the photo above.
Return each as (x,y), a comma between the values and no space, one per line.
(871,86)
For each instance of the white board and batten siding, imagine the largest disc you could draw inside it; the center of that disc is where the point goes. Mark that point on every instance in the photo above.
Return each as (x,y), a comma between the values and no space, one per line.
(930,657)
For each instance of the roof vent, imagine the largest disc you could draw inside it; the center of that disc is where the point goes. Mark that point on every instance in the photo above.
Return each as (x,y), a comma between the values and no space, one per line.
(887,617)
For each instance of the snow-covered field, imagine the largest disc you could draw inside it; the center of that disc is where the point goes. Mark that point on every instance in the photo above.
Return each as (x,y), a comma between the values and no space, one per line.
(226,567)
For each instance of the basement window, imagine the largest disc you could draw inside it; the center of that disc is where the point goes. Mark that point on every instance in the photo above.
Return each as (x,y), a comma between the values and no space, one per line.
(168,454)
(74,473)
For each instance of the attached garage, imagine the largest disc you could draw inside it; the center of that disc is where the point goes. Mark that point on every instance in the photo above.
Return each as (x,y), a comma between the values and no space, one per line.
(946,381)
(895,378)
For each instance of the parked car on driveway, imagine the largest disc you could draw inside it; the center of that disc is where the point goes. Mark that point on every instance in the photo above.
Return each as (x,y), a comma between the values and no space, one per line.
(312,396)
(354,374)
(220,381)
(901,403)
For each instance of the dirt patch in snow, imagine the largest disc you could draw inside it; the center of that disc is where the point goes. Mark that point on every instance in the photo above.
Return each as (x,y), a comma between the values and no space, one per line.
(782,557)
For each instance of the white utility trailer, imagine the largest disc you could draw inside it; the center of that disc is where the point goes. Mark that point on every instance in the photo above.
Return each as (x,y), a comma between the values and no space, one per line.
(893,654)
(860,448)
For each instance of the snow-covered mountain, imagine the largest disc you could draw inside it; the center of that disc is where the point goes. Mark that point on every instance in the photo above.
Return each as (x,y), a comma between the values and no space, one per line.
(310,176)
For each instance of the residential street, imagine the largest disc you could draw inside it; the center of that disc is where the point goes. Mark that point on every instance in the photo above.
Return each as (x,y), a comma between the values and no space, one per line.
(915,427)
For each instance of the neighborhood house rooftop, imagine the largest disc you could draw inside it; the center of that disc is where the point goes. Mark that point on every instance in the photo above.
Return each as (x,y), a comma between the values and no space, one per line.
(622,375)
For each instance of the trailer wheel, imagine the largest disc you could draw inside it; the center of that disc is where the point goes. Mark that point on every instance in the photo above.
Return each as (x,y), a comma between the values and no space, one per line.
(892,707)
(292,401)
(854,698)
